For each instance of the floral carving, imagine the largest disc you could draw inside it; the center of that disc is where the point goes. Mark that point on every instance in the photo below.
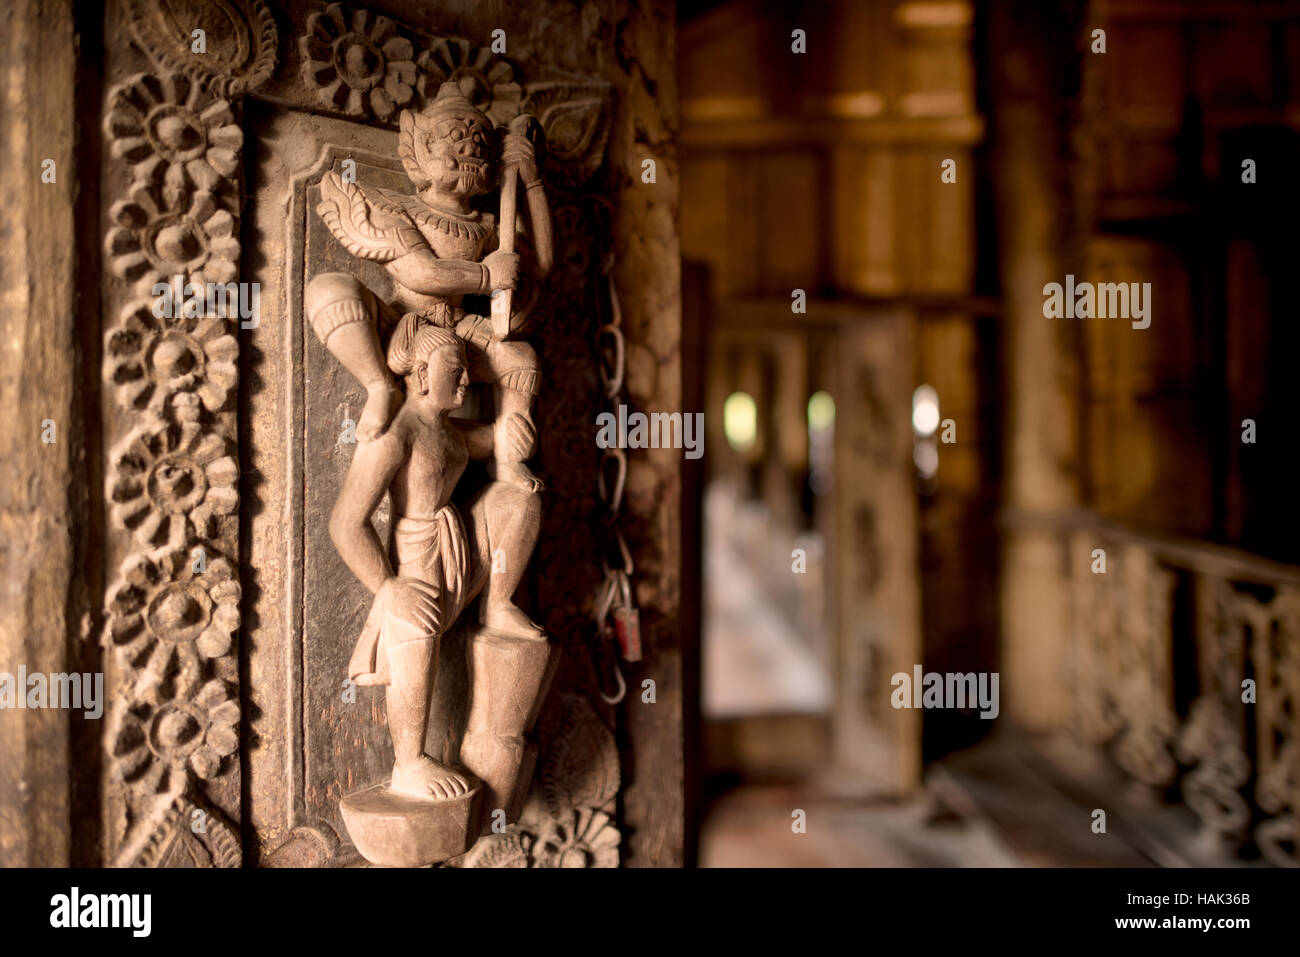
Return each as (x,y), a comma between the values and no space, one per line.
(168,483)
(160,128)
(581,837)
(484,77)
(147,358)
(239,41)
(154,746)
(154,240)
(167,613)
(510,849)
(575,838)
(358,65)
(580,764)
(575,119)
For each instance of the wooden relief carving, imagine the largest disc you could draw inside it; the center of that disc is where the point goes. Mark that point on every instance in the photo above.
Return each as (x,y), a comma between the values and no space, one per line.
(569,820)
(1213,740)
(472,127)
(1095,623)
(239,41)
(173,613)
(1146,685)
(1276,656)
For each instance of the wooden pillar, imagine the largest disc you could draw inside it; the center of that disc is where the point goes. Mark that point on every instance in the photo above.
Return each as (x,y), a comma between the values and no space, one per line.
(43,494)
(1041,403)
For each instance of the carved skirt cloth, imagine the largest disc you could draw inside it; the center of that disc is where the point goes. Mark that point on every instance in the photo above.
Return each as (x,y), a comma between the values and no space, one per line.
(435,551)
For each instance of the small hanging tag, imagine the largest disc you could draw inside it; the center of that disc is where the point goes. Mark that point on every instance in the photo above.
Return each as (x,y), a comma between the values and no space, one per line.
(627,623)
(627,628)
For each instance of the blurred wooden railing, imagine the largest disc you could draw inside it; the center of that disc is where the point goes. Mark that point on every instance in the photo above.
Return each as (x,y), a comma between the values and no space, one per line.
(1184,665)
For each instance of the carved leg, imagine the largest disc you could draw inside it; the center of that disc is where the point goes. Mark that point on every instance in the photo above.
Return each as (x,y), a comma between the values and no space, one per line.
(343,313)
(513,367)
(506,522)
(510,468)
(413,666)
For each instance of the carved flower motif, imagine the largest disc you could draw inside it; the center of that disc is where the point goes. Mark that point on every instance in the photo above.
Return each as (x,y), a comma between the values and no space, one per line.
(148,359)
(485,78)
(168,482)
(165,615)
(155,240)
(152,746)
(508,849)
(157,126)
(580,837)
(358,66)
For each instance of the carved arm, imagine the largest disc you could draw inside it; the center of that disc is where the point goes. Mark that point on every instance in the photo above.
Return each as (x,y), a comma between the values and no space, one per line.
(480,437)
(421,271)
(373,466)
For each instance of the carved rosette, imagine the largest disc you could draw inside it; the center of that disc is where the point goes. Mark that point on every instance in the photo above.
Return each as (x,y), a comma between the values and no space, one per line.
(169,481)
(172,613)
(358,64)
(149,360)
(158,127)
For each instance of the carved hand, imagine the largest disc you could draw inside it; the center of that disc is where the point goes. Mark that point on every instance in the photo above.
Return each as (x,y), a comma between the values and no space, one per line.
(519,153)
(520,436)
(503,268)
(412,601)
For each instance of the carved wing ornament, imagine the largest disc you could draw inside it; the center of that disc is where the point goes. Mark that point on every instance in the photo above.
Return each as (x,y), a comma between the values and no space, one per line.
(345,209)
(172,609)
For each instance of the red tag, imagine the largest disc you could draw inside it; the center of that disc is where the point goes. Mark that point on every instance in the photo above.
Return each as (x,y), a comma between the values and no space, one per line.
(627,628)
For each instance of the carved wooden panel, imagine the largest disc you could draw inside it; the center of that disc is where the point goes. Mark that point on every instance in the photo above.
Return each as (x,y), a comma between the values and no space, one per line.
(225,451)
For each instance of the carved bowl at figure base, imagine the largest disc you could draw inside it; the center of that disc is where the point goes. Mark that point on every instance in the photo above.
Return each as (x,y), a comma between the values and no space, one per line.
(391,829)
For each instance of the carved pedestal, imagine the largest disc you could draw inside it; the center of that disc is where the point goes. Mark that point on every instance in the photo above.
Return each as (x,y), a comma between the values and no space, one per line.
(393,830)
(509,678)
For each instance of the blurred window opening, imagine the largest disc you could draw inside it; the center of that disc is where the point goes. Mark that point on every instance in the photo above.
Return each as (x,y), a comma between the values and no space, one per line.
(740,421)
(821,443)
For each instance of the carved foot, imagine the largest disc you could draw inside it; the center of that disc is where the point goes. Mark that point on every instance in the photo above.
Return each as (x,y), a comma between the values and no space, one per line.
(506,618)
(426,778)
(382,403)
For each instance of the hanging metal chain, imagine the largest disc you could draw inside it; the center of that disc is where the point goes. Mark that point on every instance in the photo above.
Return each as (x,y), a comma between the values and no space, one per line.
(616,614)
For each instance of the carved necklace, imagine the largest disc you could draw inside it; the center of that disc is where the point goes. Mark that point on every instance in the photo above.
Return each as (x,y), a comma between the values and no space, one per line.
(473,226)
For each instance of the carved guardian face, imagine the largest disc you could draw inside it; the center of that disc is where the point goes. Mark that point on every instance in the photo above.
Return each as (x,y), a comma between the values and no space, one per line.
(452,151)
(444,377)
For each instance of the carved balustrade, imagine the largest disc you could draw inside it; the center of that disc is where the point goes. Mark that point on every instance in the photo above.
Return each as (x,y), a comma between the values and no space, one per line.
(1184,666)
